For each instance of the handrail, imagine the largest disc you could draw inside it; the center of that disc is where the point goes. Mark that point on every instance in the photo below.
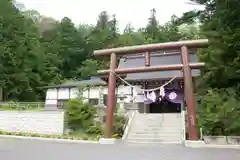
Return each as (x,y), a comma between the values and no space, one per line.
(129,124)
(126,121)
(183,125)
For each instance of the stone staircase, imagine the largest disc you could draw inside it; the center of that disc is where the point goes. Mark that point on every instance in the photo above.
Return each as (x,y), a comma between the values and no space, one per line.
(155,129)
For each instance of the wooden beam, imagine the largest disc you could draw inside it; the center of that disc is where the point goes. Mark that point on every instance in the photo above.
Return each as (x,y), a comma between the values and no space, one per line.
(152,47)
(152,68)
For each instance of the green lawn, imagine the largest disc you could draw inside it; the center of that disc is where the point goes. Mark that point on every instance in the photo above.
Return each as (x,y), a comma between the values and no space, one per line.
(22,107)
(73,136)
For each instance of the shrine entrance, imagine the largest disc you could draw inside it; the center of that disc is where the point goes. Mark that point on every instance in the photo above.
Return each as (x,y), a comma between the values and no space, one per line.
(164,107)
(182,70)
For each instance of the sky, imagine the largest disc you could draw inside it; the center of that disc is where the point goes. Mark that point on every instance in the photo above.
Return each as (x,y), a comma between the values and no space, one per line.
(135,12)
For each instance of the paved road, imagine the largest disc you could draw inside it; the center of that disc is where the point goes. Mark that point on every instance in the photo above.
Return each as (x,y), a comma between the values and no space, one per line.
(44,150)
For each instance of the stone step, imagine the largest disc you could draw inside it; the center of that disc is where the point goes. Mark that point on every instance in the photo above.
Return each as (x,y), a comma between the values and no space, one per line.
(169,138)
(179,137)
(145,131)
(156,129)
(155,122)
(158,118)
(157,125)
(158,121)
(153,136)
(154,144)
(159,115)
(155,132)
(154,141)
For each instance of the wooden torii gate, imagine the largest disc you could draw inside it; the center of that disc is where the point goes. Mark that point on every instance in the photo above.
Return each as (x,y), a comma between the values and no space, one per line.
(183,46)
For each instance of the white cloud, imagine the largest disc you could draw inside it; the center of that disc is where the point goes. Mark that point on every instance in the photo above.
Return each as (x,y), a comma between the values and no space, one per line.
(127,11)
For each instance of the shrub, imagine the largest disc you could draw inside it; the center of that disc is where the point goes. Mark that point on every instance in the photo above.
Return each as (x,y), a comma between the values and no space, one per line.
(118,125)
(217,110)
(95,129)
(98,137)
(79,115)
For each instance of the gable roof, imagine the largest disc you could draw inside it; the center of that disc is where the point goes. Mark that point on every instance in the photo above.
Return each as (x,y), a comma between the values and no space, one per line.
(70,84)
(156,60)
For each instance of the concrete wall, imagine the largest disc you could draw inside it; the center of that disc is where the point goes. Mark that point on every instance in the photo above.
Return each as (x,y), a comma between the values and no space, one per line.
(45,122)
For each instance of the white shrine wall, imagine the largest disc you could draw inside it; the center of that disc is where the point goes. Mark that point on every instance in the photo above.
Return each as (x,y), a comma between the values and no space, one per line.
(54,95)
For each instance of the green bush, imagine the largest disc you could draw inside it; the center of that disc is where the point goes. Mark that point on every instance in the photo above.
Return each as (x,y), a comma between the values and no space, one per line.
(218,111)
(118,125)
(95,129)
(79,115)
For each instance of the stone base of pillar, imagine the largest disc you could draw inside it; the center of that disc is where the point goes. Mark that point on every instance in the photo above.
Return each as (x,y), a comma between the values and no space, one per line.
(197,143)
(109,141)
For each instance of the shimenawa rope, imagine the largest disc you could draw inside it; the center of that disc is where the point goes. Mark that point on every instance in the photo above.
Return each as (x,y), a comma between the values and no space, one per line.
(145,90)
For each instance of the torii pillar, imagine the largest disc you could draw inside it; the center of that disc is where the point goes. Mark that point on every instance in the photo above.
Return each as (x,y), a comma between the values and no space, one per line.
(189,95)
(111,102)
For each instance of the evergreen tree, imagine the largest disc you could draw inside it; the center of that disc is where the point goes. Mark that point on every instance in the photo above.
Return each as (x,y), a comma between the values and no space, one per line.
(152,27)
(20,57)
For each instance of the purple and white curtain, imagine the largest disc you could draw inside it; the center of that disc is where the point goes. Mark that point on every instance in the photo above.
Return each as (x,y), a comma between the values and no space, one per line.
(172,95)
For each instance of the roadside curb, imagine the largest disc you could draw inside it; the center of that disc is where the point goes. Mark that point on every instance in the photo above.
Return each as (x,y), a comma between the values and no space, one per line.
(202,144)
(49,139)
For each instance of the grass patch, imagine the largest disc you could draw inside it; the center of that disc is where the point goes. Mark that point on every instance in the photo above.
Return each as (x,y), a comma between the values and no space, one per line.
(71,136)
(3,108)
(83,135)
(22,106)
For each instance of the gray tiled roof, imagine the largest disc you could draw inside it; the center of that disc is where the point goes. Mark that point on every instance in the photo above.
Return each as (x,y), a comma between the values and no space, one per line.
(155,60)
(92,81)
(139,61)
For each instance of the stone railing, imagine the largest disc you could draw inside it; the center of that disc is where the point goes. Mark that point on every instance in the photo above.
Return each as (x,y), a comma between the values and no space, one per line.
(128,124)
(183,118)
(222,140)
